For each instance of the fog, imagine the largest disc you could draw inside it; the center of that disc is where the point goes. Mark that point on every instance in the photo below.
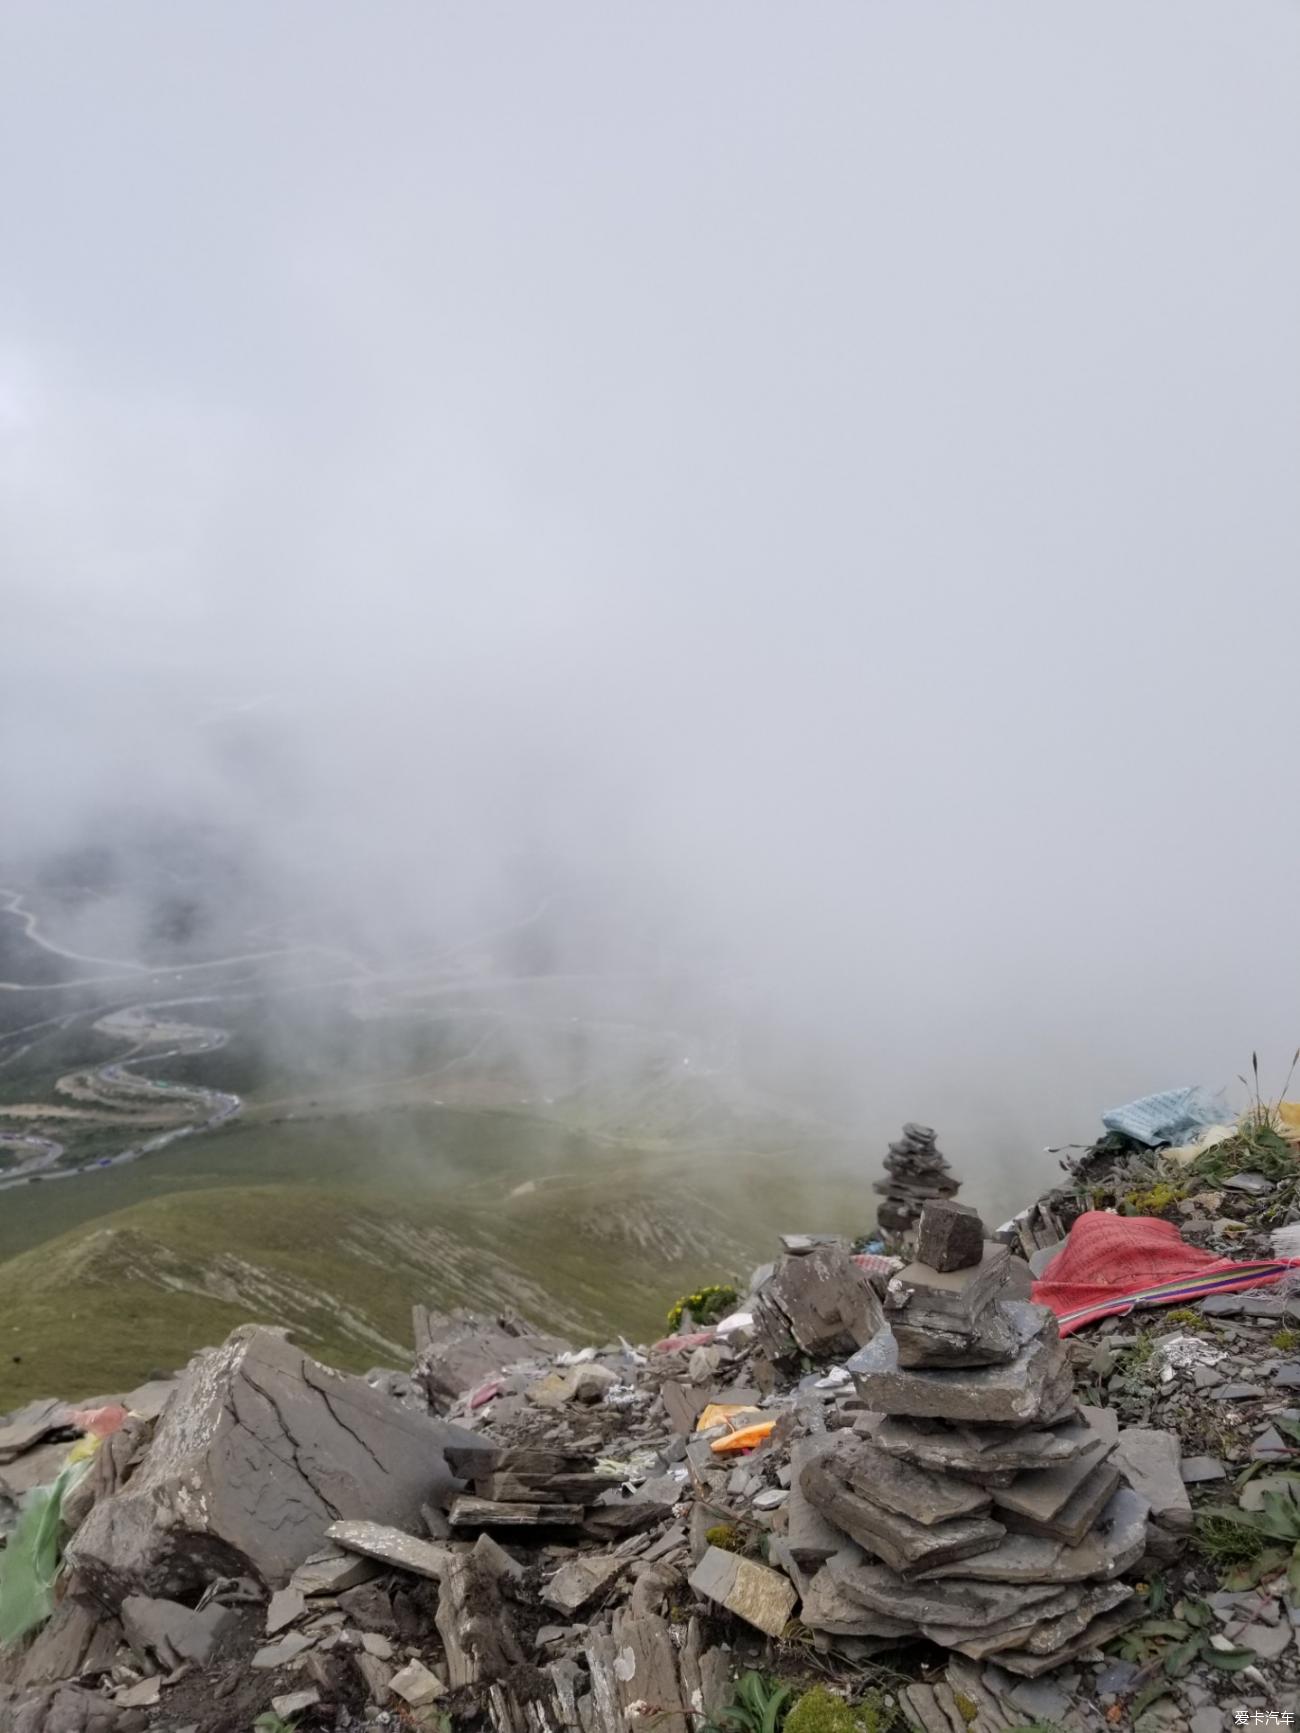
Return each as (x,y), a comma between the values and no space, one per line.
(817,483)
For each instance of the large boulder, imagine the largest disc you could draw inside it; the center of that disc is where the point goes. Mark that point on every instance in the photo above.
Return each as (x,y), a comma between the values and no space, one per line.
(821,1304)
(259,1451)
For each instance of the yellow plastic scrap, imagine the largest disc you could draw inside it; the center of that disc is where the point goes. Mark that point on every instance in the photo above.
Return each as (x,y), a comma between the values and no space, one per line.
(745,1439)
(1288,1120)
(721,1413)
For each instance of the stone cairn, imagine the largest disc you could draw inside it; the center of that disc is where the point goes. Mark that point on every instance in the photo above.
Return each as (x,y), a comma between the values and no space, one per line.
(917,1172)
(975,1504)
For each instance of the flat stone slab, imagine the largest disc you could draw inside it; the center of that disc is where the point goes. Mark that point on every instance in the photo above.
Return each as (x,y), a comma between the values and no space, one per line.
(1045,1639)
(145,1695)
(469,1512)
(543,1489)
(948,1298)
(753,1592)
(35,1467)
(582,1580)
(976,1644)
(982,1455)
(280,1654)
(27,1426)
(905,1545)
(1242,1305)
(283,1609)
(956,1602)
(1197,1469)
(1015,1393)
(391,1546)
(811,1537)
(991,1338)
(826,1607)
(1099,1632)
(1116,1542)
(480,1456)
(416,1685)
(900,1486)
(1052,1635)
(584,1384)
(1150,1461)
(293,1703)
(1042,1493)
(800,1245)
(331,1572)
(1077,1515)
(174,1633)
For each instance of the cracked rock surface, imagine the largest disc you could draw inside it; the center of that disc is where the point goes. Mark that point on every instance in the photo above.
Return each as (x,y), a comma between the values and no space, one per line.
(259,1451)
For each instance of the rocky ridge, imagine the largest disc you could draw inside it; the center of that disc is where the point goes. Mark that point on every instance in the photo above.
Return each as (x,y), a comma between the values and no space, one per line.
(940,1503)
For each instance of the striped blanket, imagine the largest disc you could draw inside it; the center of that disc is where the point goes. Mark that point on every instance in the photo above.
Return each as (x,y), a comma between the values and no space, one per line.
(1113,1264)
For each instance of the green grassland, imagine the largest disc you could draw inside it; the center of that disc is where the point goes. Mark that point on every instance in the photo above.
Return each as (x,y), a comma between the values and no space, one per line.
(336,1225)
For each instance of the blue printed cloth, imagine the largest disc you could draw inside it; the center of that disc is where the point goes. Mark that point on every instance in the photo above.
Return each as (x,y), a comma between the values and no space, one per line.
(1171,1116)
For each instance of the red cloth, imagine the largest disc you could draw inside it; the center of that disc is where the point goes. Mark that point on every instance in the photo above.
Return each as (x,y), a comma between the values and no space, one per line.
(1110,1264)
(99,1422)
(671,1344)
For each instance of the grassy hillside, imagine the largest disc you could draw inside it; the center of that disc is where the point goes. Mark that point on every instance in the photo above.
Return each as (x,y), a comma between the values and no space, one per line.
(335,1226)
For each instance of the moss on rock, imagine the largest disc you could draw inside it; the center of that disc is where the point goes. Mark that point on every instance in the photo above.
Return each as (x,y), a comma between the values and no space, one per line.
(821,1711)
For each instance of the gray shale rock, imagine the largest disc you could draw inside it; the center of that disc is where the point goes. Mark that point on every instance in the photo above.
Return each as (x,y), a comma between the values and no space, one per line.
(950,1236)
(1117,1542)
(956,1602)
(988,1455)
(828,1607)
(948,1300)
(990,1341)
(1150,1462)
(61,1709)
(1025,1390)
(906,1545)
(459,1351)
(899,1486)
(258,1452)
(819,1303)
(172,1633)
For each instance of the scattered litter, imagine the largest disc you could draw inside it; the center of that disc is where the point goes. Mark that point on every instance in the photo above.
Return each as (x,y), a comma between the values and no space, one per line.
(1169,1116)
(30,1559)
(837,1376)
(721,1414)
(746,1439)
(1182,1353)
(632,1467)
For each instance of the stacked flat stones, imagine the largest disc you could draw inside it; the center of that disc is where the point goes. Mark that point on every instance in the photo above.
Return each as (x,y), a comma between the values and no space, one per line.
(981,1506)
(916,1172)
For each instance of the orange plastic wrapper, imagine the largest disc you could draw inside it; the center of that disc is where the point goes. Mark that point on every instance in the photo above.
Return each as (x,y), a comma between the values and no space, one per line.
(745,1439)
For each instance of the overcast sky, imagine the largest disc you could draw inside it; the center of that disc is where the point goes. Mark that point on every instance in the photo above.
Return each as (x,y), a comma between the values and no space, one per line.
(832,469)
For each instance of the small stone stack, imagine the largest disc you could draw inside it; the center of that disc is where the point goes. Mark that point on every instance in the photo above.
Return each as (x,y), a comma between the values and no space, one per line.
(917,1172)
(986,1509)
